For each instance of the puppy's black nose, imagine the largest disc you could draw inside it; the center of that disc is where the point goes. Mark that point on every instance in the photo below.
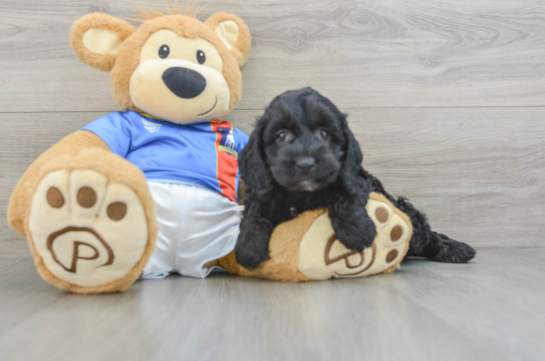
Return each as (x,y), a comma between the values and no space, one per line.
(305,163)
(184,82)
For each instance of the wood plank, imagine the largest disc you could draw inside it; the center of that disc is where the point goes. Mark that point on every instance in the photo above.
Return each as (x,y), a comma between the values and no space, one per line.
(23,293)
(390,53)
(500,289)
(14,247)
(486,310)
(477,172)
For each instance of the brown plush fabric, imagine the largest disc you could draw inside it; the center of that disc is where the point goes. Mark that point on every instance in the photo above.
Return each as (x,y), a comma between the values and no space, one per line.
(284,252)
(103,62)
(284,248)
(128,58)
(123,64)
(19,201)
(244,43)
(85,150)
(147,13)
(117,170)
(382,198)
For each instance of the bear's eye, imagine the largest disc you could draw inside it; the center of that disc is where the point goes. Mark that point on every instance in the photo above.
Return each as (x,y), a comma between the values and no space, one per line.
(164,50)
(201,58)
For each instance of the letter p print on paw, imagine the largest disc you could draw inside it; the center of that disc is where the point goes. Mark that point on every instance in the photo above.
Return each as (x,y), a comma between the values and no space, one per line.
(87,231)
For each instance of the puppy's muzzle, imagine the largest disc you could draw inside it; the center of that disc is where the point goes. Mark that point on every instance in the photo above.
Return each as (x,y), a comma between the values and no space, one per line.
(305,164)
(184,82)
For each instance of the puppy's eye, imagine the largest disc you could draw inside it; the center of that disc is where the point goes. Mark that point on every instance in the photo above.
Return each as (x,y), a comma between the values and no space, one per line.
(282,136)
(201,58)
(164,50)
(323,134)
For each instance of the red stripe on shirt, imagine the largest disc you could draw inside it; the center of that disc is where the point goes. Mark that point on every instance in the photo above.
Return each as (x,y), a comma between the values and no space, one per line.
(227,164)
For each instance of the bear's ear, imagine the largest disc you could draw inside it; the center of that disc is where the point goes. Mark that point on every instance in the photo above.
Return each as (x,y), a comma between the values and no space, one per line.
(96,39)
(234,33)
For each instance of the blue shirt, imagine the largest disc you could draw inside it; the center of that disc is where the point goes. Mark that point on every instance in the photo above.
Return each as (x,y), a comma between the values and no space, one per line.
(204,154)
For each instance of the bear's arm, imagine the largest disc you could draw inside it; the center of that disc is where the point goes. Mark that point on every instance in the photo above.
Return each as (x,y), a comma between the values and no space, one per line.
(20,198)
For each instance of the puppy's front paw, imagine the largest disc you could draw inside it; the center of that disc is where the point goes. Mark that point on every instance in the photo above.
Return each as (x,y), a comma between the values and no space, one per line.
(356,235)
(249,254)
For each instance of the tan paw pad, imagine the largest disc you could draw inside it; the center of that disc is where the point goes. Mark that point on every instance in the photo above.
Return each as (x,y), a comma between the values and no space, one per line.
(322,256)
(87,231)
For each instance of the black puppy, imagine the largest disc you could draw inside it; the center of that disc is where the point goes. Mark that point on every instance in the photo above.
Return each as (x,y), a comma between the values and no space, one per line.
(303,156)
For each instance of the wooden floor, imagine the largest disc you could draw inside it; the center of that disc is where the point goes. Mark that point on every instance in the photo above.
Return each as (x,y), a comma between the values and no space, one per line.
(491,309)
(447,99)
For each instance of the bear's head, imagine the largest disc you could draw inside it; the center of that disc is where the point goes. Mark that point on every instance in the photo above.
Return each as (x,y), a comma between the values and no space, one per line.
(173,67)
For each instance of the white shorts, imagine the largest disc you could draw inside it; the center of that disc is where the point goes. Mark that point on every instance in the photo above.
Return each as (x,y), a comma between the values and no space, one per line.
(196,226)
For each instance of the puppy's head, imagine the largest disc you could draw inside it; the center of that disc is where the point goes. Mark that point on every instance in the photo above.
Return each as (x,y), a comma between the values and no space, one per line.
(303,143)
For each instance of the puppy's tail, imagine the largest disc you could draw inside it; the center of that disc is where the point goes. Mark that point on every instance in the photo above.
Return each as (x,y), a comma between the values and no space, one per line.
(429,244)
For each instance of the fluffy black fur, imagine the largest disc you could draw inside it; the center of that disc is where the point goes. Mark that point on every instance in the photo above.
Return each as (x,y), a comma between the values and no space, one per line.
(303,156)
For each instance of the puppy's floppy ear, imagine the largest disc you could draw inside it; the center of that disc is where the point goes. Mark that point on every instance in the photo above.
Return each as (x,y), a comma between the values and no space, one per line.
(253,169)
(96,39)
(352,157)
(234,33)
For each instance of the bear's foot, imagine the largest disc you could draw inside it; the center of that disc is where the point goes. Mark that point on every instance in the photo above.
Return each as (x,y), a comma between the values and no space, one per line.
(87,234)
(322,256)
(306,248)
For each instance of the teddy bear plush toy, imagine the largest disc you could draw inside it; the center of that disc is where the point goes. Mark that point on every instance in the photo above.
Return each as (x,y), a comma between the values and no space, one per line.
(152,189)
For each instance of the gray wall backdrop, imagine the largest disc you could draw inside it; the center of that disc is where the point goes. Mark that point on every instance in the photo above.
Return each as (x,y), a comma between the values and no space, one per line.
(446,97)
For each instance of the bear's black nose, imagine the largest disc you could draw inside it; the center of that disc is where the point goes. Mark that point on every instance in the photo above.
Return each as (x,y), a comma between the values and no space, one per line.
(184,82)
